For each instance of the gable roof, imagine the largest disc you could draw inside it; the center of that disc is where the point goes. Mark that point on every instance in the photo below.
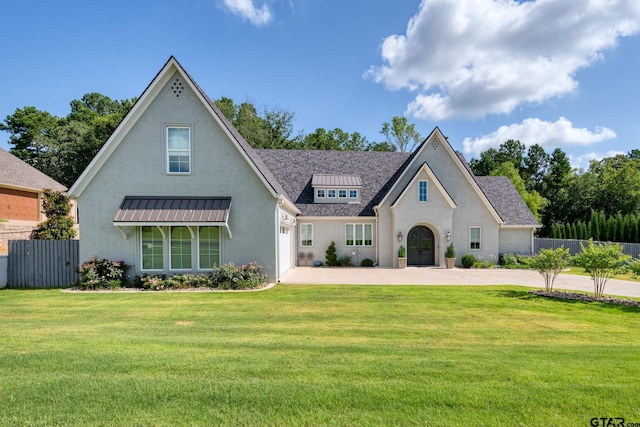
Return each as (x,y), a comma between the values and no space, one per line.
(15,173)
(295,169)
(436,183)
(172,66)
(506,200)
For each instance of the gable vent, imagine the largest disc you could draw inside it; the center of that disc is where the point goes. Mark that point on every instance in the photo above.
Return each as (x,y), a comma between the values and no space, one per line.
(177,87)
(435,143)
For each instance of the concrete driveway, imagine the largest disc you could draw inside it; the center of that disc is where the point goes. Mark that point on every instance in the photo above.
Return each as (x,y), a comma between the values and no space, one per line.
(454,276)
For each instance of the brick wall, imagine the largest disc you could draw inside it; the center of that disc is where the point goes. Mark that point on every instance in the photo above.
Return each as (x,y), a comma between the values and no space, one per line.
(13,232)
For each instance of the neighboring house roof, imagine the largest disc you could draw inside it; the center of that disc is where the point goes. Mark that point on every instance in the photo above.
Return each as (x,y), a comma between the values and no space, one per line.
(16,173)
(296,168)
(506,200)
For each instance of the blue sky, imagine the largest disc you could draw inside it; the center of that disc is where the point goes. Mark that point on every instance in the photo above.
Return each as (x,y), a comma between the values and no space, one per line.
(553,72)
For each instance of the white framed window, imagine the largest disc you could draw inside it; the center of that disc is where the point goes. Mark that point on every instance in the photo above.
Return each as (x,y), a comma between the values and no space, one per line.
(178,149)
(359,234)
(306,234)
(353,194)
(342,194)
(331,194)
(208,247)
(180,248)
(474,238)
(152,248)
(422,191)
(320,193)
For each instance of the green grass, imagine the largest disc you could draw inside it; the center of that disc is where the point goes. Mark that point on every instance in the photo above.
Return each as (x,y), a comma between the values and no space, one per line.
(579,271)
(315,355)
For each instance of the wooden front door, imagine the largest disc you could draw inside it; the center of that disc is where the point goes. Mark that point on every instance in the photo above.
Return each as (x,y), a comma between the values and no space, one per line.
(421,247)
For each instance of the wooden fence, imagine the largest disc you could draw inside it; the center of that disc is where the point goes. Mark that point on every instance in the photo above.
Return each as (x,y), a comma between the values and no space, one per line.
(632,249)
(42,263)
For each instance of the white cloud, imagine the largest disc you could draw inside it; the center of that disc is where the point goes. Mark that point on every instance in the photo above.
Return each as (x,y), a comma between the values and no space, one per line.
(475,57)
(249,11)
(582,161)
(535,131)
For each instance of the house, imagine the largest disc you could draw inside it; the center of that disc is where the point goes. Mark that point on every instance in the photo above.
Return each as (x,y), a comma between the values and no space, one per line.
(21,193)
(177,189)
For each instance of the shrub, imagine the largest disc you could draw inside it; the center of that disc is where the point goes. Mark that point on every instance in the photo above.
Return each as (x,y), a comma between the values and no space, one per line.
(247,276)
(549,263)
(344,261)
(58,225)
(100,273)
(332,258)
(402,252)
(367,262)
(508,260)
(468,260)
(602,261)
(450,252)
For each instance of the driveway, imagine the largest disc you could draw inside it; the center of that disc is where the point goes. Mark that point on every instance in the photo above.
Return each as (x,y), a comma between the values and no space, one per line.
(454,276)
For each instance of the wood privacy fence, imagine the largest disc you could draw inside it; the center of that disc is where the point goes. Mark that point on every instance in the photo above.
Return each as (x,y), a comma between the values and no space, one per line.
(632,249)
(42,263)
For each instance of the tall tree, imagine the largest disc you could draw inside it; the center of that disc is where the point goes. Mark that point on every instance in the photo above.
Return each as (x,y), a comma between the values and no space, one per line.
(534,201)
(401,134)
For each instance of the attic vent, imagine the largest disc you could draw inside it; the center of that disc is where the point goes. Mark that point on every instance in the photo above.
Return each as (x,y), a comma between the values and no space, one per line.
(176,87)
(435,143)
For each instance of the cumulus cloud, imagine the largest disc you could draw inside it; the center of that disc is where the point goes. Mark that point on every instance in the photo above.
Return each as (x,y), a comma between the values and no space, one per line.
(475,57)
(247,10)
(535,131)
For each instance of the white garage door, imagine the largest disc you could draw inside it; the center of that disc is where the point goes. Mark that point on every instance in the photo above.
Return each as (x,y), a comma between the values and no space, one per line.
(285,249)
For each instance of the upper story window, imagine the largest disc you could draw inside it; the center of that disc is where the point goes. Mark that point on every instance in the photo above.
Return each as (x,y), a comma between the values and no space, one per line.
(178,149)
(331,194)
(422,191)
(353,194)
(320,193)
(342,194)
(330,188)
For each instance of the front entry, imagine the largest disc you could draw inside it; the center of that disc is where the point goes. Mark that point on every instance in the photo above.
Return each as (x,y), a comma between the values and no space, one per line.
(420,244)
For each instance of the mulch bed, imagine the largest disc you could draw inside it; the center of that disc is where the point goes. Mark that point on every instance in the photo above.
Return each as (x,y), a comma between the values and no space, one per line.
(586,298)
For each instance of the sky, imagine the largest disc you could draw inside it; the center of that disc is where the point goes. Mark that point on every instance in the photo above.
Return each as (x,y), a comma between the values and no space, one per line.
(556,73)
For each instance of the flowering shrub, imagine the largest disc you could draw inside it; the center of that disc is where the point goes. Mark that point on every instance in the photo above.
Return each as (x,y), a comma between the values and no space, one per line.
(102,274)
(228,276)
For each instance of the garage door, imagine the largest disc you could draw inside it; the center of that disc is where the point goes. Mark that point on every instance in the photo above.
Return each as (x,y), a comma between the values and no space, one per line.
(285,249)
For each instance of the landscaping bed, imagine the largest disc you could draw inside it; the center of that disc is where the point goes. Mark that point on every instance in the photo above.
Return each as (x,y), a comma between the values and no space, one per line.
(586,298)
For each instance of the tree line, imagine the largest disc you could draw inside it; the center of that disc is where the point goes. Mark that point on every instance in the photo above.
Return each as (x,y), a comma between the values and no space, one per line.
(62,147)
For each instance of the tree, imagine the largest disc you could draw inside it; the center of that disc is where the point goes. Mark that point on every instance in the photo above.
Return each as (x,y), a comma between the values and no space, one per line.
(400,134)
(602,261)
(534,201)
(58,225)
(536,164)
(29,129)
(549,263)
(380,146)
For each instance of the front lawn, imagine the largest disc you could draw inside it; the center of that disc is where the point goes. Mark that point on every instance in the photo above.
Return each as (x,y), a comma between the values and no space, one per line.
(316,355)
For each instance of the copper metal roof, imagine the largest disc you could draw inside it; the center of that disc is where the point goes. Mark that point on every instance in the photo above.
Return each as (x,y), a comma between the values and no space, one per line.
(323,180)
(173,210)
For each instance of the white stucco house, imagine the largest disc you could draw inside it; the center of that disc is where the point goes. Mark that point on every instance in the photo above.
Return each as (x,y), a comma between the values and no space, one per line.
(177,189)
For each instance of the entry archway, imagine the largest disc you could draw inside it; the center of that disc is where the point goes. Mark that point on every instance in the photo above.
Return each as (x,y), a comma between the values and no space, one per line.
(421,246)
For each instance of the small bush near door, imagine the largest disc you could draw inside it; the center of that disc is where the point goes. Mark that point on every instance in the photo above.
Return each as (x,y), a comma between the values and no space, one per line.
(468,260)
(367,262)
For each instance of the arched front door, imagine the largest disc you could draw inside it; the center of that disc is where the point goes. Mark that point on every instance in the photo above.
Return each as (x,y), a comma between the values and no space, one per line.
(420,246)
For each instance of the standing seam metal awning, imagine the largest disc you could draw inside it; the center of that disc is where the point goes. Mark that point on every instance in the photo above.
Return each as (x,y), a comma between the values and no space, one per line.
(173,211)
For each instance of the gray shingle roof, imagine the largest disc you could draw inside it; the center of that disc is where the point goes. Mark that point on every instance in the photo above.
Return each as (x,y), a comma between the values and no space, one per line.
(295,168)
(16,173)
(506,200)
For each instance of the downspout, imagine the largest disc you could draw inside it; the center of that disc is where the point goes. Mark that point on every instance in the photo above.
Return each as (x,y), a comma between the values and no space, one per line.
(375,210)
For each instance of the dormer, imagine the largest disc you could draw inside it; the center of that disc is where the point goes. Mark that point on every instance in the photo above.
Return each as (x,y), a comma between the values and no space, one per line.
(336,188)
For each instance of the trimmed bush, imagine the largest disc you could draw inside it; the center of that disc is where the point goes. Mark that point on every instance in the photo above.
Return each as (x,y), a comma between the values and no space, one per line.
(344,261)
(331,258)
(367,262)
(468,260)
(508,260)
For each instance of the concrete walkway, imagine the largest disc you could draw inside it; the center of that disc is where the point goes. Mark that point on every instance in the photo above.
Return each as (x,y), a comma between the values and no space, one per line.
(454,276)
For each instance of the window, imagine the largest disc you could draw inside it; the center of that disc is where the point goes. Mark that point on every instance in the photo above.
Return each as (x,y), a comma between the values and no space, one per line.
(358,234)
(179,149)
(474,238)
(208,247)
(152,248)
(180,248)
(306,234)
(342,194)
(353,194)
(422,191)
(320,193)
(331,194)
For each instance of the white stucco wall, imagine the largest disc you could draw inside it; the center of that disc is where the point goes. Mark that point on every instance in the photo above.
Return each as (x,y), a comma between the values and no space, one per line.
(137,167)
(326,230)
(516,240)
